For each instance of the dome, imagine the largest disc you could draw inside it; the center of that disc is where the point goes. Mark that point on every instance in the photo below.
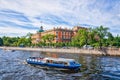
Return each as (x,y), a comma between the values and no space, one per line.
(41,29)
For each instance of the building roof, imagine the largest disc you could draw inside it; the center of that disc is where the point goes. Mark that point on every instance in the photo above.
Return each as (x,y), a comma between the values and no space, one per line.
(40,30)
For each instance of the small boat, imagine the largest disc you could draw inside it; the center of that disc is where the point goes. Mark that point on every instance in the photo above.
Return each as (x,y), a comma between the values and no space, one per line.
(63,63)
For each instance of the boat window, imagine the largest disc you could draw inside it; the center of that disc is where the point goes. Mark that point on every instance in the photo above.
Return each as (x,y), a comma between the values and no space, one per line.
(51,61)
(57,62)
(65,63)
(32,57)
(48,61)
(72,63)
(33,60)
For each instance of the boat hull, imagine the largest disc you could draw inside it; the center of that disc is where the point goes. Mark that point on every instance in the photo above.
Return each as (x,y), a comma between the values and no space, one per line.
(55,65)
(54,62)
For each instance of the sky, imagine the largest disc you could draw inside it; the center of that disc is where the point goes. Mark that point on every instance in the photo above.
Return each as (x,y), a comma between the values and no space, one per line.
(19,17)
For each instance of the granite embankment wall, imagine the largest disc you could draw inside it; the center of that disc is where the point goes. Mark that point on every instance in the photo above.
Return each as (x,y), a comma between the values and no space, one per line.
(111,51)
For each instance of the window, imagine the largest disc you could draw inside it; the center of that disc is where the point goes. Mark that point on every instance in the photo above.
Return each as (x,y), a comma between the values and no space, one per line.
(30,59)
(51,61)
(62,36)
(35,60)
(56,35)
(62,32)
(48,61)
(65,64)
(57,62)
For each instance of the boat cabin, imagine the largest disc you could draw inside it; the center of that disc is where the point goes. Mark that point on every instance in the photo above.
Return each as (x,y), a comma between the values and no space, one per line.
(59,61)
(54,62)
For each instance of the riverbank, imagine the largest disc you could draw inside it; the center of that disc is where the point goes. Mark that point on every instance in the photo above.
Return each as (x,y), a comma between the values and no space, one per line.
(113,52)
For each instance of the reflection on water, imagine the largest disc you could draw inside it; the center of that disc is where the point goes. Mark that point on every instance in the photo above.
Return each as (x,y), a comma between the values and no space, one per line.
(13,67)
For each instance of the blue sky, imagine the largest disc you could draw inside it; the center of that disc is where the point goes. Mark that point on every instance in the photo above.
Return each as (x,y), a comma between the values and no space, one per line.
(18,17)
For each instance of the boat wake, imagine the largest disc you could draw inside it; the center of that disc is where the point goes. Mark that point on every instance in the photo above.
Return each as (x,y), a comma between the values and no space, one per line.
(54,69)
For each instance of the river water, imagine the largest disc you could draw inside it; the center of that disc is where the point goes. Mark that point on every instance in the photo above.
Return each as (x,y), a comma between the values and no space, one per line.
(14,67)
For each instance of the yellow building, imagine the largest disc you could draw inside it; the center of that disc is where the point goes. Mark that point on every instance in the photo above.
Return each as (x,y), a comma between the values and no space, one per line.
(36,38)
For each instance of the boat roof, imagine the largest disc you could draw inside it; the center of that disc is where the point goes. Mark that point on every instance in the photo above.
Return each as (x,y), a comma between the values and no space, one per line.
(59,59)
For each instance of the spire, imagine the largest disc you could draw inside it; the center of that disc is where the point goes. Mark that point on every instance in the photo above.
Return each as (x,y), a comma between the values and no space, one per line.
(41,27)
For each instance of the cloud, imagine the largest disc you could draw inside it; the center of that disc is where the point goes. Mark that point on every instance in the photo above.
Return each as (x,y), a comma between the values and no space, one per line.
(9,14)
(52,19)
(11,31)
(28,14)
(14,25)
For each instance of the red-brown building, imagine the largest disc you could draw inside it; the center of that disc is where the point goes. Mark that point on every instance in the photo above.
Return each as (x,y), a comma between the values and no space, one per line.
(62,35)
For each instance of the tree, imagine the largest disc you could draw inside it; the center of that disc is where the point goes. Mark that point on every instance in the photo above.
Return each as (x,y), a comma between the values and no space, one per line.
(7,41)
(23,41)
(116,41)
(1,42)
(44,38)
(101,32)
(110,39)
(28,39)
(17,41)
(28,35)
(81,38)
(76,40)
(92,37)
(48,38)
(10,41)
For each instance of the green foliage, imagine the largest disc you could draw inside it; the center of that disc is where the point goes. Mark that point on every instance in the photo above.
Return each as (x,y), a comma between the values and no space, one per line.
(59,44)
(10,41)
(97,37)
(101,33)
(81,38)
(1,42)
(110,40)
(17,41)
(25,41)
(48,38)
(116,41)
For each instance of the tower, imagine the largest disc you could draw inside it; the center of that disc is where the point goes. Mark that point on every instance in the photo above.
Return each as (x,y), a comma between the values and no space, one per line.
(41,28)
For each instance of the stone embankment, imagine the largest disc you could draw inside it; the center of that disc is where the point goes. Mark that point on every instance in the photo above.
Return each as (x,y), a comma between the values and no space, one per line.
(113,52)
